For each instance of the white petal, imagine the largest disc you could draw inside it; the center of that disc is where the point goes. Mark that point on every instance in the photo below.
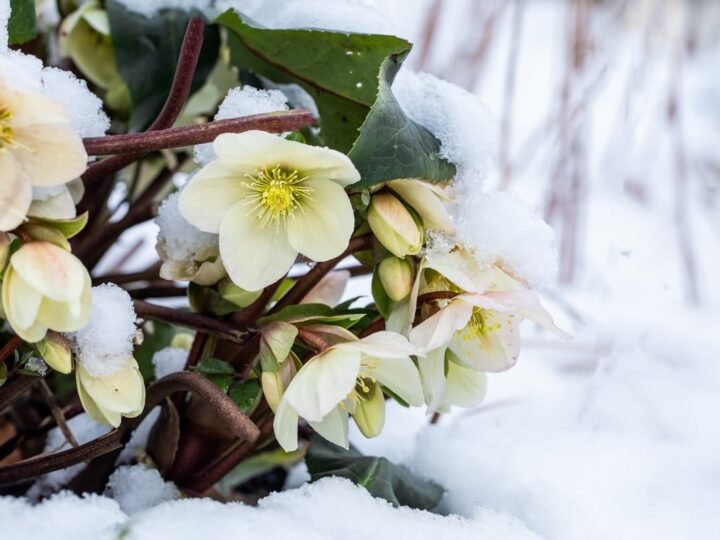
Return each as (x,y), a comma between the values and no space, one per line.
(258,149)
(437,330)
(425,199)
(50,270)
(465,387)
(254,256)
(383,344)
(401,376)
(121,393)
(67,316)
(334,427)
(329,290)
(50,154)
(459,267)
(20,301)
(210,195)
(432,374)
(15,193)
(321,228)
(92,409)
(61,206)
(285,426)
(323,382)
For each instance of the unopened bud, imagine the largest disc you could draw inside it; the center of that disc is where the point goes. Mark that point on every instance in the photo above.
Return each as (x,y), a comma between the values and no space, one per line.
(394,225)
(274,383)
(369,413)
(56,352)
(396,276)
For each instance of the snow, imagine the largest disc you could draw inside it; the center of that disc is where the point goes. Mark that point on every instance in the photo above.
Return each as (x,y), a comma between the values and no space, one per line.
(137,487)
(152,7)
(36,365)
(331,508)
(464,126)
(26,72)
(359,16)
(500,227)
(169,360)
(243,101)
(105,345)
(4,17)
(179,240)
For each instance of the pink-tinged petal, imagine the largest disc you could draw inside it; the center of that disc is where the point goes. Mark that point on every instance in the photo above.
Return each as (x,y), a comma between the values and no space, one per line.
(50,270)
(437,330)
(330,289)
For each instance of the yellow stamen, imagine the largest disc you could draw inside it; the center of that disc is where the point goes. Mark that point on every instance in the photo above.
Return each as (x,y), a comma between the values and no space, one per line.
(481,324)
(276,193)
(7,135)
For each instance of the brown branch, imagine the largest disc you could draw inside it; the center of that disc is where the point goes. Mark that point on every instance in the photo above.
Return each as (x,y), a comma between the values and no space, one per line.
(177,137)
(159,291)
(250,314)
(179,92)
(149,274)
(306,283)
(57,413)
(15,388)
(188,319)
(436,295)
(235,420)
(9,348)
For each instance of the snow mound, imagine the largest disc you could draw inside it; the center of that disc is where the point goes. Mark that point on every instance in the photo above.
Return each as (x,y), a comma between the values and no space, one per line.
(4,17)
(105,345)
(243,101)
(137,488)
(152,7)
(179,239)
(169,360)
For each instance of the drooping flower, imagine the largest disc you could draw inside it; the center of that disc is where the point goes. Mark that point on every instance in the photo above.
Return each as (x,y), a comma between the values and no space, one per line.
(109,399)
(45,287)
(269,199)
(38,147)
(348,379)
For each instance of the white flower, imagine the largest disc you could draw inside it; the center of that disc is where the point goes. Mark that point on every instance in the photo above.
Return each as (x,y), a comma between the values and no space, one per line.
(346,379)
(45,287)
(108,399)
(269,199)
(426,199)
(38,147)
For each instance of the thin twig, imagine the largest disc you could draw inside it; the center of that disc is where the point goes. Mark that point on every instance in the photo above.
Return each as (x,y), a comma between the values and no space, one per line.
(9,348)
(57,413)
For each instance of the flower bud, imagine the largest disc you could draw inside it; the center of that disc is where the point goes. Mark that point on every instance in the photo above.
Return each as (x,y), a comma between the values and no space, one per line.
(396,276)
(55,351)
(182,340)
(276,341)
(369,413)
(274,383)
(394,225)
(45,288)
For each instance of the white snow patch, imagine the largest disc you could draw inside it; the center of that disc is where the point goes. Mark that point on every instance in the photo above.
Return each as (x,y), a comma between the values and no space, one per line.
(243,101)
(137,488)
(464,126)
(501,228)
(150,8)
(105,345)
(169,360)
(4,17)
(179,239)
(43,193)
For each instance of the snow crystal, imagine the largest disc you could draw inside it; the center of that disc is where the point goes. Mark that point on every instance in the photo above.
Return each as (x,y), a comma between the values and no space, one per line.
(4,17)
(84,429)
(500,227)
(85,108)
(341,15)
(105,345)
(36,365)
(137,488)
(457,118)
(26,72)
(169,360)
(152,7)
(243,101)
(179,239)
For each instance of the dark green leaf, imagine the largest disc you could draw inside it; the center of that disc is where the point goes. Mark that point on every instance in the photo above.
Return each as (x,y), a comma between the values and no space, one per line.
(146,53)
(382,300)
(299,312)
(391,145)
(380,477)
(246,395)
(22,25)
(213,366)
(339,70)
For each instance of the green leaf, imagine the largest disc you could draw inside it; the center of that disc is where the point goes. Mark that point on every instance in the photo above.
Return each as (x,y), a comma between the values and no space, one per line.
(22,25)
(339,70)
(213,366)
(382,300)
(391,145)
(313,314)
(255,466)
(246,395)
(382,478)
(146,53)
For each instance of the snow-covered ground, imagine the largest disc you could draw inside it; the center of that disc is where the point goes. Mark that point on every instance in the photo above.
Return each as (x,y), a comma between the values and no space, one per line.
(613,435)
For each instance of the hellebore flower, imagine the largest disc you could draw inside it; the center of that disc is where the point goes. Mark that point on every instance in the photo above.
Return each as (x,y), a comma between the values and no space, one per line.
(108,399)
(347,379)
(38,147)
(269,199)
(45,287)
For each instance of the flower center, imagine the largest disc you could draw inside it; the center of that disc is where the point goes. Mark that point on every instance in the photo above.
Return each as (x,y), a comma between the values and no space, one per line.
(365,384)
(482,323)
(276,193)
(7,135)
